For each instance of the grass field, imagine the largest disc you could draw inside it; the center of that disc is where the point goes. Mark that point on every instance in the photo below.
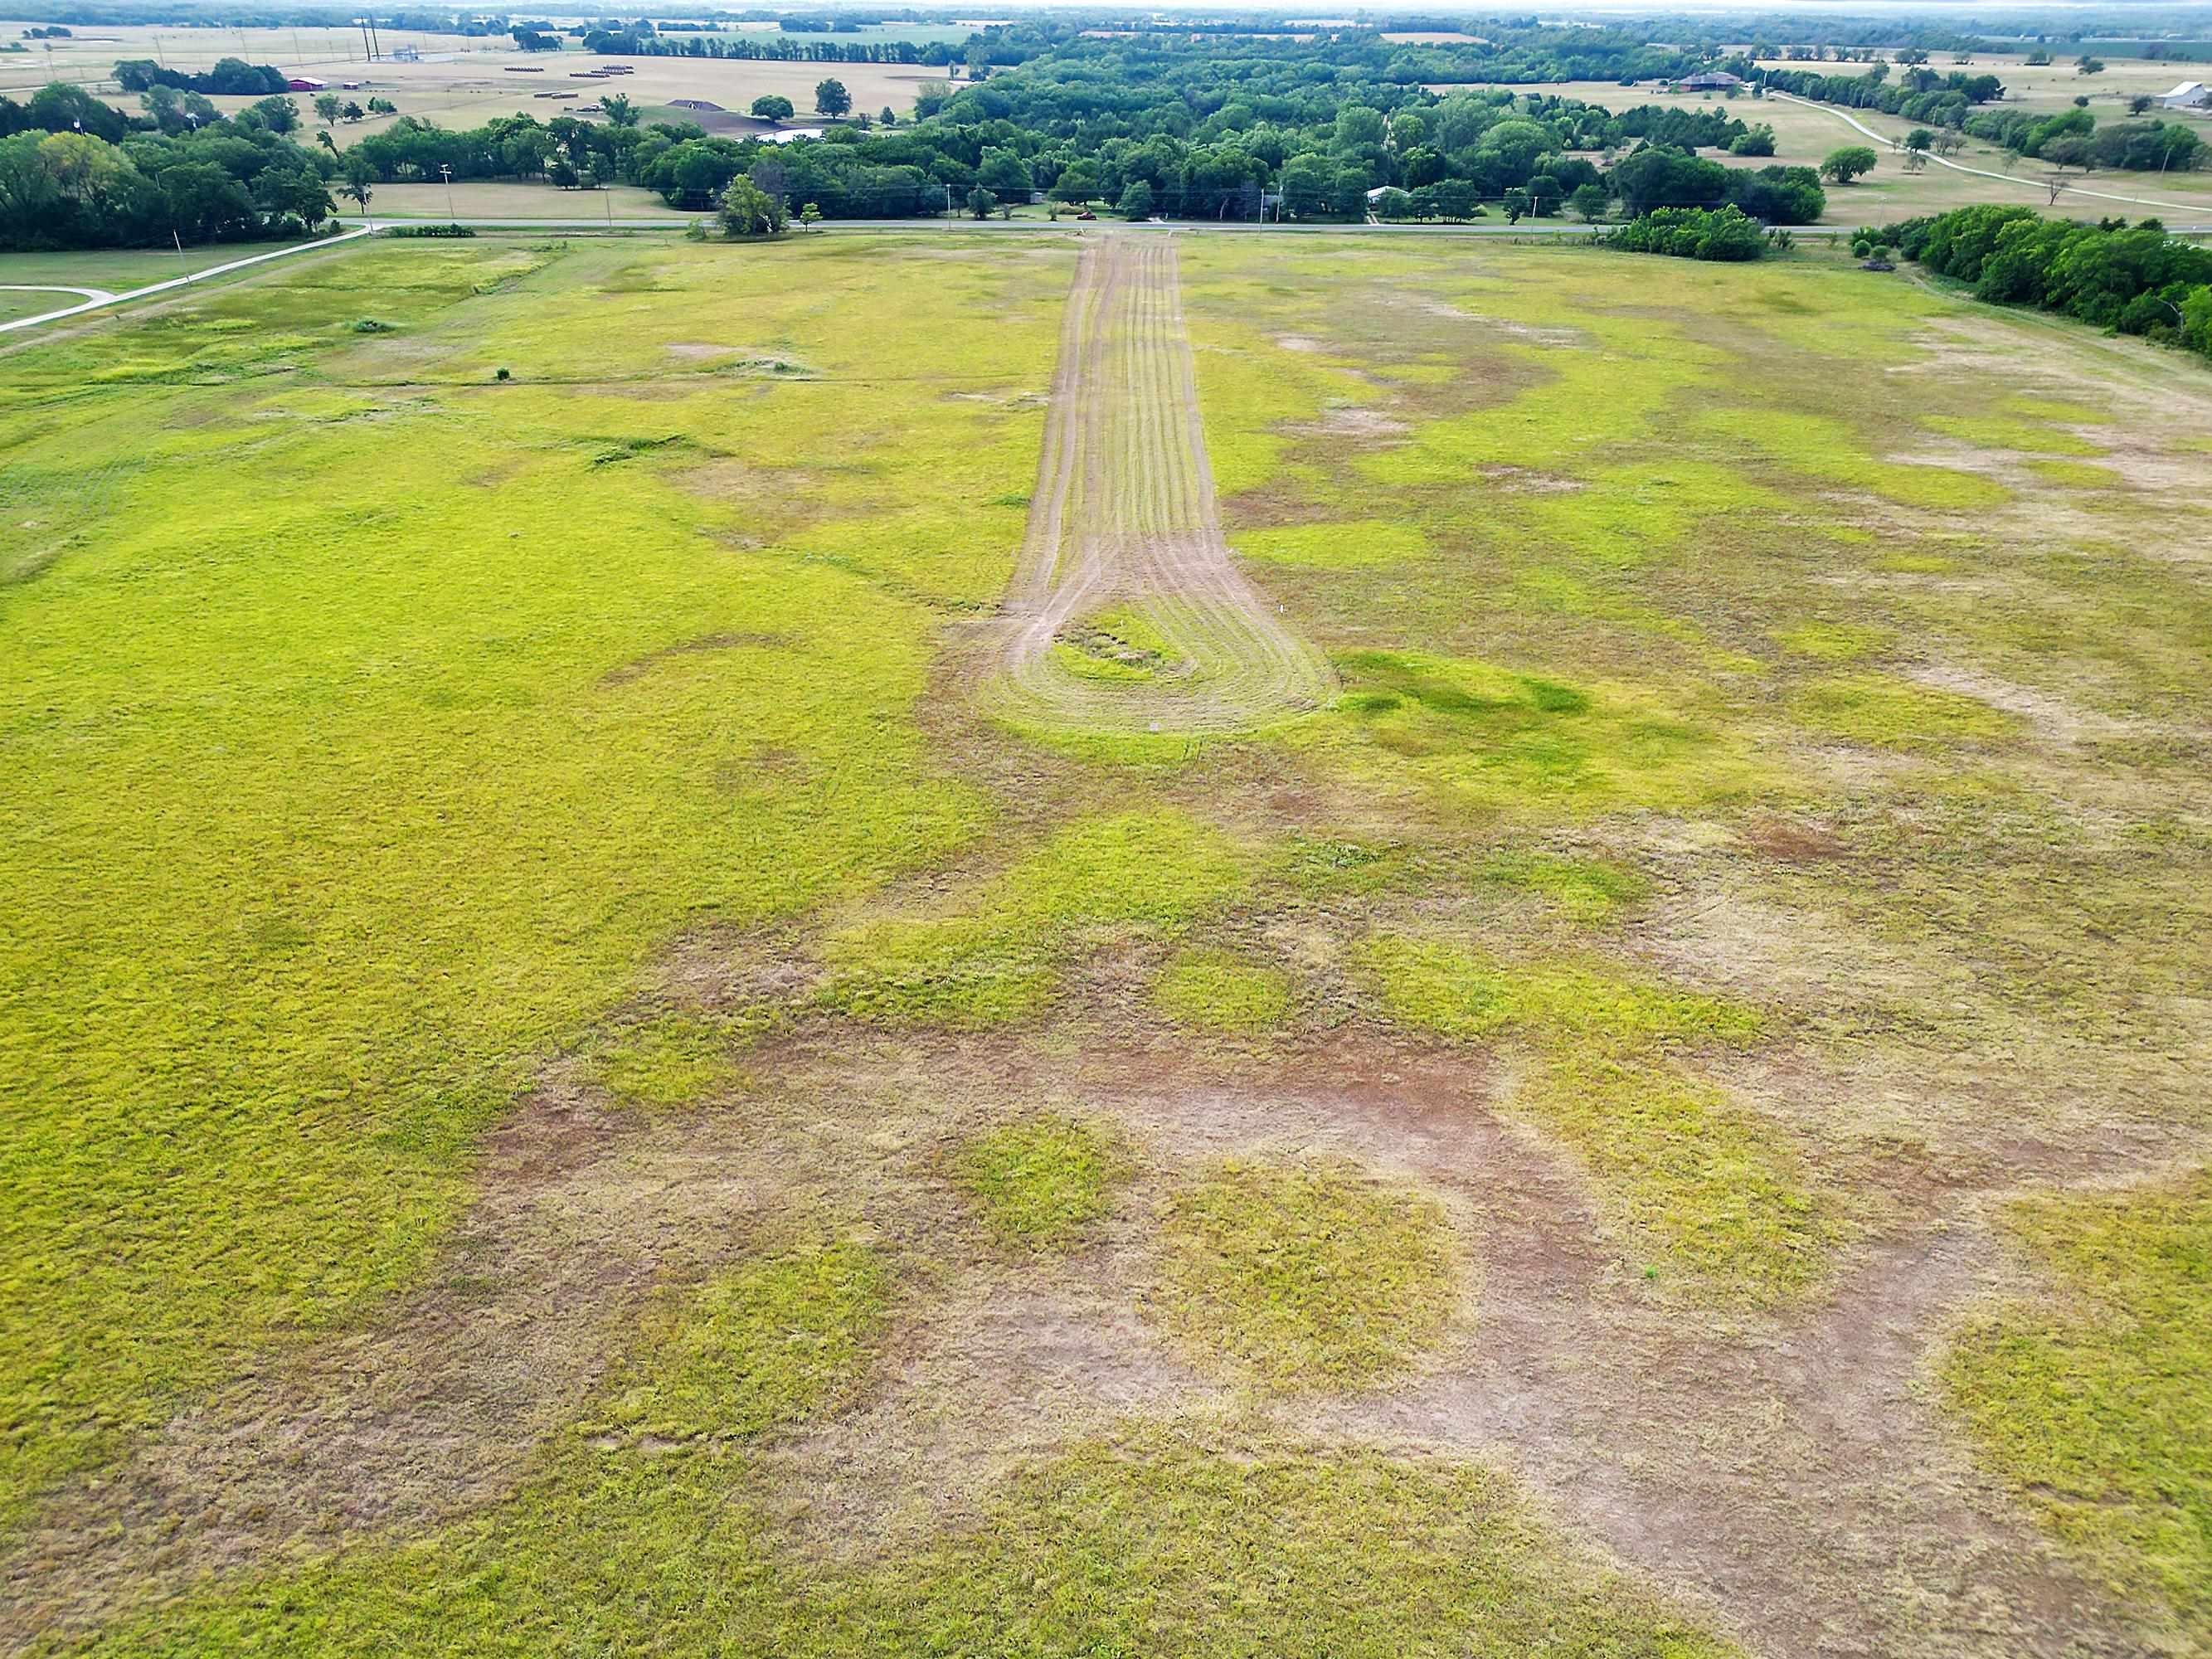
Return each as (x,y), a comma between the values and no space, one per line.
(1805,133)
(117,271)
(461,81)
(571,1082)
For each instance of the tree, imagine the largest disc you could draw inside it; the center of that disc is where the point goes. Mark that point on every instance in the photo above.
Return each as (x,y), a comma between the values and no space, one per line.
(619,109)
(2037,59)
(1137,202)
(981,201)
(353,112)
(773,106)
(809,215)
(888,116)
(360,174)
(327,105)
(1842,166)
(1755,140)
(749,211)
(1517,204)
(1920,139)
(1915,161)
(2086,64)
(1394,203)
(1078,182)
(832,99)
(1589,201)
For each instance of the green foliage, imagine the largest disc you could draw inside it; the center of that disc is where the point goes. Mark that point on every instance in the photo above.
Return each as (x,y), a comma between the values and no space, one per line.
(1218,991)
(1308,1274)
(1726,234)
(1041,1182)
(1848,162)
(2090,1399)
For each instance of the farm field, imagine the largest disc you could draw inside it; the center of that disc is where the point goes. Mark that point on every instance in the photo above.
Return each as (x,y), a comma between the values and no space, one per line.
(1573,1022)
(484,200)
(1805,132)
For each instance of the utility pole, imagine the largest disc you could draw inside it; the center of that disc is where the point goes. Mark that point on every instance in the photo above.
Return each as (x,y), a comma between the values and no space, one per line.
(445,171)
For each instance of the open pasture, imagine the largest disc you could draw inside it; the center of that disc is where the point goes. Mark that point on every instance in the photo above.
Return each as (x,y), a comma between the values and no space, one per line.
(541,986)
(1805,132)
(459,81)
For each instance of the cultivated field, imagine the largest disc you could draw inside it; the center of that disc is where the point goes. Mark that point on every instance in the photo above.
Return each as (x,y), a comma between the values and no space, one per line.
(577,1078)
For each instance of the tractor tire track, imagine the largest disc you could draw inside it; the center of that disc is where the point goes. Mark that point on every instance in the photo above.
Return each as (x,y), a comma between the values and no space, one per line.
(1124,520)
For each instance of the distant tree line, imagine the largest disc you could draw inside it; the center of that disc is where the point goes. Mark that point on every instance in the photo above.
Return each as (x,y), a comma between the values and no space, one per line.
(231,77)
(2136,280)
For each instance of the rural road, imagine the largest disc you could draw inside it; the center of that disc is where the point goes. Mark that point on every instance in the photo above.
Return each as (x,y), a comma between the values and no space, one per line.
(1126,611)
(100,297)
(1853,122)
(1526,227)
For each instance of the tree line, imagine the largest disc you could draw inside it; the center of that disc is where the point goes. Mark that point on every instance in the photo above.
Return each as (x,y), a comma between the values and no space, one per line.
(2134,279)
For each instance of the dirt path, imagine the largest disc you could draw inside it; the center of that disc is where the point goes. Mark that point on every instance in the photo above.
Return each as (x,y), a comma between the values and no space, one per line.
(101,297)
(1124,566)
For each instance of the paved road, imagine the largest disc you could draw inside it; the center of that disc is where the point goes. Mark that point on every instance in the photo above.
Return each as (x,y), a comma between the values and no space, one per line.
(1851,120)
(103,298)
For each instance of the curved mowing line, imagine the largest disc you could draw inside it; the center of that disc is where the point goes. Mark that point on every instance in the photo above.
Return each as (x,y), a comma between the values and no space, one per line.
(1124,517)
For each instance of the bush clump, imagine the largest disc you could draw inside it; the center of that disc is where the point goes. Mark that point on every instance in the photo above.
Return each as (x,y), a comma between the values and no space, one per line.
(1727,233)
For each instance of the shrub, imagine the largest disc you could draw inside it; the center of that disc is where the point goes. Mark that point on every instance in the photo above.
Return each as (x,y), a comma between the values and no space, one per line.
(1725,234)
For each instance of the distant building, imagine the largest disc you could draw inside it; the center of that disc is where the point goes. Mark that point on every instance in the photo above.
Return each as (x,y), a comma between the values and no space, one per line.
(304,83)
(2189,95)
(1709,80)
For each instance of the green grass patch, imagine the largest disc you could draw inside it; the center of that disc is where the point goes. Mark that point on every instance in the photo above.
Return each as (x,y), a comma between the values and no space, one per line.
(1306,1276)
(1516,743)
(1457,991)
(1589,890)
(2077,475)
(2028,437)
(1041,1182)
(1157,1546)
(996,958)
(1831,641)
(1889,713)
(1715,1198)
(676,1061)
(767,1343)
(1334,546)
(1219,991)
(2093,1402)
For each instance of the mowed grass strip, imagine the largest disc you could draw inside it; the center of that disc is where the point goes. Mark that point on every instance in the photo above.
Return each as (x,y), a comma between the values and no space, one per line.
(330,809)
(1308,1274)
(1042,1181)
(2091,1399)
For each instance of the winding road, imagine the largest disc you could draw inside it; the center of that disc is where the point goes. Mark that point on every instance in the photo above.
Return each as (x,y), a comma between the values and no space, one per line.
(1126,611)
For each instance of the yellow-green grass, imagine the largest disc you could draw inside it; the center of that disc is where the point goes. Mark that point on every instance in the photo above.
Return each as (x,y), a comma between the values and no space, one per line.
(1306,1274)
(1041,1182)
(1889,713)
(333,805)
(2090,1399)
(1210,990)
(995,954)
(1720,1197)
(1334,546)
(1587,890)
(118,270)
(676,1060)
(1462,992)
